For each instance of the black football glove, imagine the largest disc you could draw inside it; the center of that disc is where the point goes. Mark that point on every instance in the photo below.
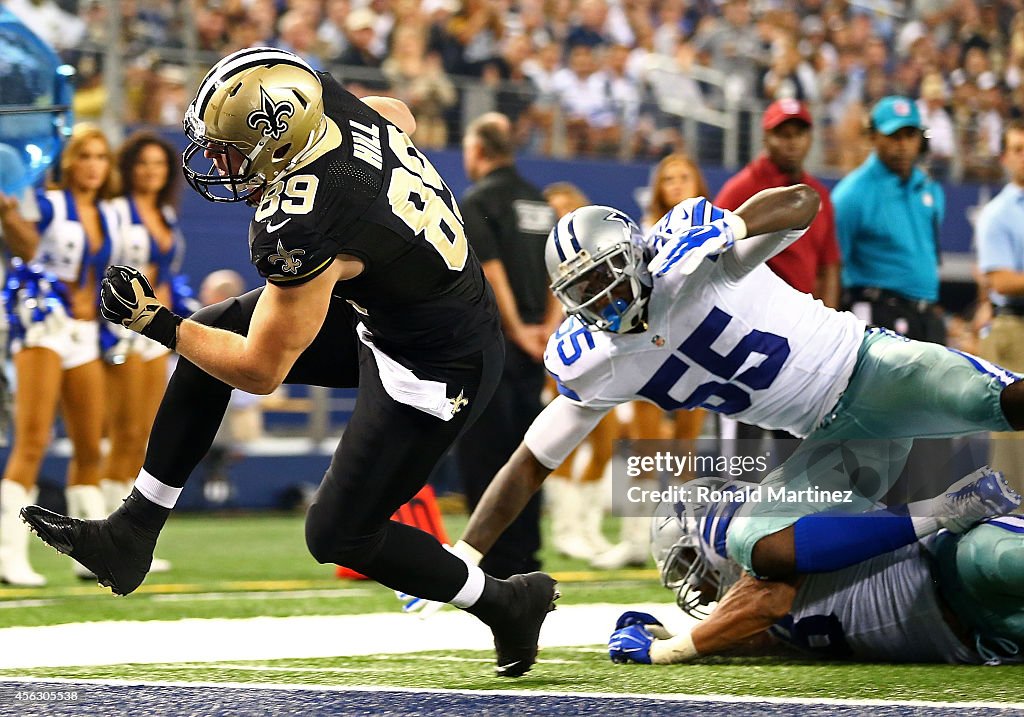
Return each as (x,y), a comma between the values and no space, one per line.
(126,298)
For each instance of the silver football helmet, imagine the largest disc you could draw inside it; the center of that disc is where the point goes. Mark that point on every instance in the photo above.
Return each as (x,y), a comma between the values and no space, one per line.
(687,568)
(598,268)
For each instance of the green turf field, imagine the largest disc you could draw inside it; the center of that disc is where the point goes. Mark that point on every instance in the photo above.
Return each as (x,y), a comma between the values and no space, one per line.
(257,556)
(245,566)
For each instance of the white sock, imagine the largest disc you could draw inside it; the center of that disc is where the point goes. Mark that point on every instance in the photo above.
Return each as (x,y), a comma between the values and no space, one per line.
(155,491)
(924,525)
(922,514)
(474,585)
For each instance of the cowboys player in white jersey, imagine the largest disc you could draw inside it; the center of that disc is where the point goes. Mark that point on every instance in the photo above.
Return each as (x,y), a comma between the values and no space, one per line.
(948,598)
(690,316)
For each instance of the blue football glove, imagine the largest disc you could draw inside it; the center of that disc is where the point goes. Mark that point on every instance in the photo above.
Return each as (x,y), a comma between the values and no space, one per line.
(633,617)
(631,644)
(684,252)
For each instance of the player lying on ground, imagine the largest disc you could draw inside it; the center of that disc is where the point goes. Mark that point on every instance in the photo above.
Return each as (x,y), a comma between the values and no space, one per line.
(948,598)
(370,283)
(690,316)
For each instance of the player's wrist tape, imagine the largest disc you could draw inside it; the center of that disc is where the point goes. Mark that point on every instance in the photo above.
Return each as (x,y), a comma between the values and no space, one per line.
(467,552)
(738,226)
(163,328)
(674,650)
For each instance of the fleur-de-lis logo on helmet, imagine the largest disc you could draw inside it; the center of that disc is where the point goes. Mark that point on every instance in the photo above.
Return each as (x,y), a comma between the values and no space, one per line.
(270,118)
(289,263)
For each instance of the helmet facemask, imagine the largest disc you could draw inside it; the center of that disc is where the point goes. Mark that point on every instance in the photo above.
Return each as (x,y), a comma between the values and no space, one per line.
(222,182)
(685,568)
(596,259)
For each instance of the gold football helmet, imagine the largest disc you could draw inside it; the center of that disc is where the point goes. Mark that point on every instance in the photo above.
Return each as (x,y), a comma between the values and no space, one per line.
(256,115)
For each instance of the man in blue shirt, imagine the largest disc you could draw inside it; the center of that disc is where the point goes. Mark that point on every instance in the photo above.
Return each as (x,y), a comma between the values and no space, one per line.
(1000,240)
(888,214)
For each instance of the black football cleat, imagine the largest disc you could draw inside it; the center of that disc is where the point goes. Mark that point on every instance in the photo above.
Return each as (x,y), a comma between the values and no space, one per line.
(516,634)
(117,551)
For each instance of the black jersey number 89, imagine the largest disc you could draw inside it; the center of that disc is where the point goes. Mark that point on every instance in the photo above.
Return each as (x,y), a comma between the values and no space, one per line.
(415,199)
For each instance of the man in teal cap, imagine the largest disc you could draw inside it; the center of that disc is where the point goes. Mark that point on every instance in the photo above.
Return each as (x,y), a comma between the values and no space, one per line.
(888,217)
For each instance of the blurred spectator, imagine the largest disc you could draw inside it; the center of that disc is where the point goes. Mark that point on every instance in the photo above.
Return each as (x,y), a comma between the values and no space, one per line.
(671,30)
(360,26)
(940,133)
(584,93)
(169,96)
(888,215)
(733,46)
(479,30)
(529,19)
(588,29)
(517,94)
(331,32)
(419,80)
(297,33)
(623,88)
(438,14)
(814,46)
(565,197)
(1000,243)
(789,75)
(264,14)
(246,33)
(211,26)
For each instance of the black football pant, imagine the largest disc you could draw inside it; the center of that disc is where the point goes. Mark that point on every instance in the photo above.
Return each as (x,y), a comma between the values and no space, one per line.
(386,454)
(485,448)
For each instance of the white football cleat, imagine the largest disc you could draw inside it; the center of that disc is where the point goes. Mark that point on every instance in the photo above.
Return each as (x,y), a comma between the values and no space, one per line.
(982,494)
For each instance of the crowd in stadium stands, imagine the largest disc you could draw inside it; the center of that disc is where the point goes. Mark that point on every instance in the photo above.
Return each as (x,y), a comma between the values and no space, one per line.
(585,65)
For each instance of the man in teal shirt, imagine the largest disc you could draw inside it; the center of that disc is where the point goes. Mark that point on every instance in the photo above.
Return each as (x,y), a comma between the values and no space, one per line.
(888,214)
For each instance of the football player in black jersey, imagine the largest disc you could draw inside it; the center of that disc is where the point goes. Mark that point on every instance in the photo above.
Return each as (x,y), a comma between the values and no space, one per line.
(370,283)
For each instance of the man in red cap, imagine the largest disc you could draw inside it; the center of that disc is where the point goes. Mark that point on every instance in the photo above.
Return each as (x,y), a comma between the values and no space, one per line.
(810,265)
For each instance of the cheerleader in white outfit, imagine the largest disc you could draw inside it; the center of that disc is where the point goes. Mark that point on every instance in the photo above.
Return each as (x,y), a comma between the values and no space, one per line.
(56,353)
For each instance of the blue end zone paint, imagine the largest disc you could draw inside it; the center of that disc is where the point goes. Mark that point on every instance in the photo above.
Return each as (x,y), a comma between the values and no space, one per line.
(216,701)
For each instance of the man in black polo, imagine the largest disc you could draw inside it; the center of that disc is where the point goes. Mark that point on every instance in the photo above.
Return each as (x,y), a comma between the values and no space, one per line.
(507,222)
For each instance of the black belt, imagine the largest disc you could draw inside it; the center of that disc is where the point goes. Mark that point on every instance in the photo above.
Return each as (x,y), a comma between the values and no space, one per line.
(890,298)
(1009,310)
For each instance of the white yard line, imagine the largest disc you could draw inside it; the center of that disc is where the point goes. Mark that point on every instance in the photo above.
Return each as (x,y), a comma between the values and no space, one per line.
(268,638)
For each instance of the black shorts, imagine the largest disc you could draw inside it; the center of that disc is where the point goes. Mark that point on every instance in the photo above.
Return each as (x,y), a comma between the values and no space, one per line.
(388,449)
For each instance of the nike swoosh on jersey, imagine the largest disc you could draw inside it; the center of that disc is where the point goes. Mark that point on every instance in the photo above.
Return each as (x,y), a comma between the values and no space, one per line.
(274,227)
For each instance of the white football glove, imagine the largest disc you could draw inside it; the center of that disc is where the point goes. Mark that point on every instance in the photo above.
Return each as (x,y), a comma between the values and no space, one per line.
(684,252)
